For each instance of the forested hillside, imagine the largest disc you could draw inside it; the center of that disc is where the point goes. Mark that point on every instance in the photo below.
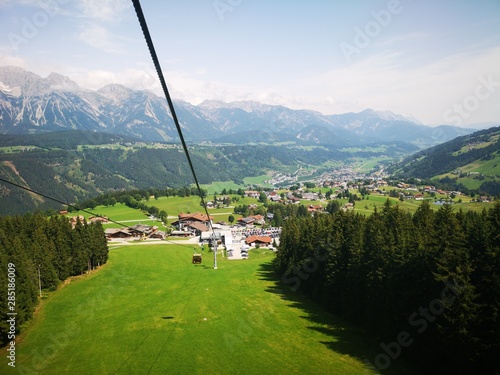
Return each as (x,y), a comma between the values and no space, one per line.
(452,156)
(65,140)
(74,166)
(427,285)
(34,242)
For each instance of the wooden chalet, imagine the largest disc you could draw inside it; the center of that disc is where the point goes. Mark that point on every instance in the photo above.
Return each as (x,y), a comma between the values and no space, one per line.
(197,217)
(258,240)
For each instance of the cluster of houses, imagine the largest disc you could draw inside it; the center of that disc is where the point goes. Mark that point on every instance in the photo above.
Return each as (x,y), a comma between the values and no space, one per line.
(287,198)
(222,201)
(138,231)
(251,220)
(199,224)
(80,218)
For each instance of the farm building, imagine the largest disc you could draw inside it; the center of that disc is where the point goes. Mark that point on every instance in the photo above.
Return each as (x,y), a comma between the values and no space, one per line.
(258,240)
(185,219)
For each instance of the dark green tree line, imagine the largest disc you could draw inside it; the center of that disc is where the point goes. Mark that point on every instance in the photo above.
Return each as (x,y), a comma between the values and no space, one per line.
(433,275)
(34,243)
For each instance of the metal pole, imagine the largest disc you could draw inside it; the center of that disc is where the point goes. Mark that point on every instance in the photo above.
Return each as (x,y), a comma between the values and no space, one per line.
(39,281)
(214,247)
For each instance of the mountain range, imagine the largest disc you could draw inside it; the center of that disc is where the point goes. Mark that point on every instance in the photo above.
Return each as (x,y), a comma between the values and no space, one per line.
(33,104)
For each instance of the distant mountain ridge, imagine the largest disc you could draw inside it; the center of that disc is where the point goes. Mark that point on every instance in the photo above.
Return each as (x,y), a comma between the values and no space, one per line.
(32,104)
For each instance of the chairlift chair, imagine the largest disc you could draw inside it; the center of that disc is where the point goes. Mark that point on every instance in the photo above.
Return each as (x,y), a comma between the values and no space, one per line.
(197,258)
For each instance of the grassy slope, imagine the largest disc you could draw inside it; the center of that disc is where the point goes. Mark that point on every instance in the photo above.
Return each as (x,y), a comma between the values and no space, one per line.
(486,167)
(218,186)
(117,212)
(257,180)
(151,311)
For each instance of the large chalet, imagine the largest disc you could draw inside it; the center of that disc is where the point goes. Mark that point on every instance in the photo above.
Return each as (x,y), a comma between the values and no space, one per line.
(197,222)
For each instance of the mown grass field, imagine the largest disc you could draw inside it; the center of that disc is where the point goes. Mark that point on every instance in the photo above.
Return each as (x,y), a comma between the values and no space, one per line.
(118,212)
(257,180)
(218,186)
(150,311)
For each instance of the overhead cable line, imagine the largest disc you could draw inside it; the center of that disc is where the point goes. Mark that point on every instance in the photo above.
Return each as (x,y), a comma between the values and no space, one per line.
(73,206)
(59,201)
(156,62)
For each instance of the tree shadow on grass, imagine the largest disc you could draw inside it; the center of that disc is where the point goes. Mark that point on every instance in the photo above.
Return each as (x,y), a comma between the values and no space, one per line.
(346,338)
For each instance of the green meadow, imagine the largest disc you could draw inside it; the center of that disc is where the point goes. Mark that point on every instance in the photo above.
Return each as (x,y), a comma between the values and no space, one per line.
(218,186)
(150,311)
(368,206)
(257,180)
(118,212)
(175,205)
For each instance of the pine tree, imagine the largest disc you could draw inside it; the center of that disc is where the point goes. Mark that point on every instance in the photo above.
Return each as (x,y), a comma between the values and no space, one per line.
(43,256)
(455,334)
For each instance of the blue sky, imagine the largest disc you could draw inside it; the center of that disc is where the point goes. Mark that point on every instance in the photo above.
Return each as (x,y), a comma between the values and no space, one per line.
(438,61)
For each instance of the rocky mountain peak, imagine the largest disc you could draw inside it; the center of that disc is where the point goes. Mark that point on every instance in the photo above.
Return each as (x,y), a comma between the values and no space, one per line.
(117,93)
(59,82)
(58,103)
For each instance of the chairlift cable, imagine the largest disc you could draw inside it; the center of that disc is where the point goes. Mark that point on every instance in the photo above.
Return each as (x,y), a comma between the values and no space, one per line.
(74,207)
(167,340)
(59,201)
(140,344)
(156,62)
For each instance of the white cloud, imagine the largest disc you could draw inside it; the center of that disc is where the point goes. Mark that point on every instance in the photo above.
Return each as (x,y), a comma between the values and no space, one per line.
(132,78)
(99,37)
(379,82)
(103,10)
(8,59)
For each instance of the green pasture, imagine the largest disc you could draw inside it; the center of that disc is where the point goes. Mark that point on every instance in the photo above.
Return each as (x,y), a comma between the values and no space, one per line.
(118,212)
(150,311)
(223,215)
(487,167)
(218,186)
(411,205)
(246,201)
(366,165)
(175,205)
(172,205)
(467,148)
(257,180)
(469,182)
(16,149)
